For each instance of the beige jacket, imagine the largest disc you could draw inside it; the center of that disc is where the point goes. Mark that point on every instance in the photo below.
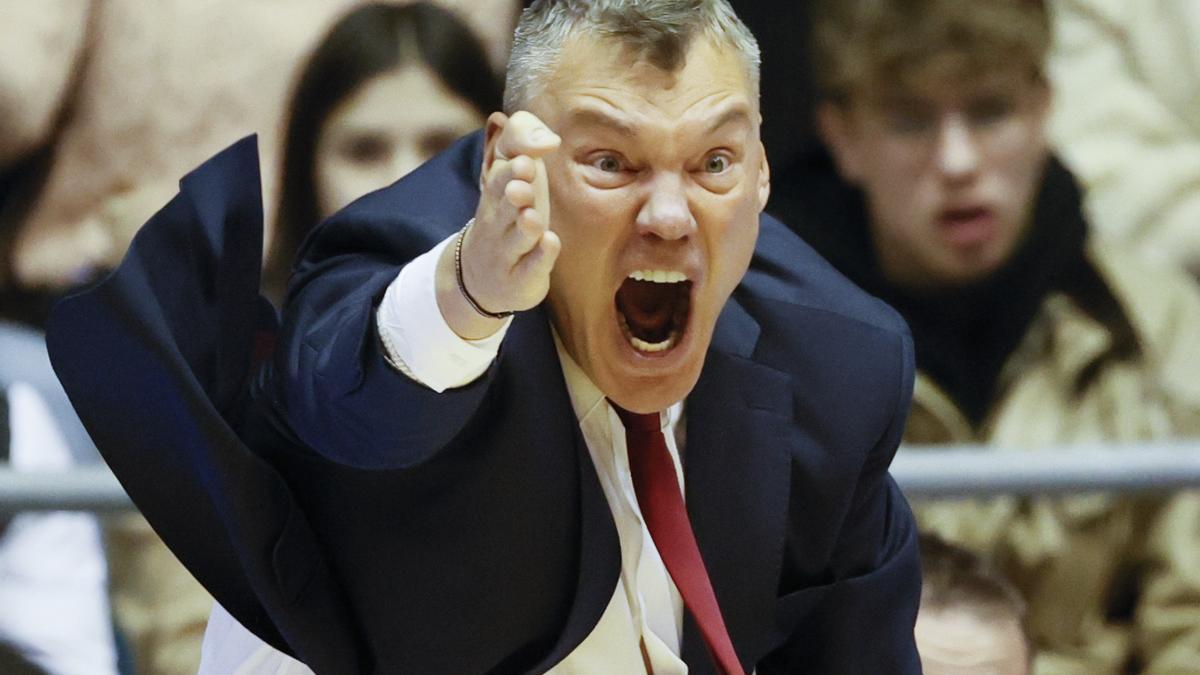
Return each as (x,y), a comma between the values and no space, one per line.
(1126,75)
(1079,558)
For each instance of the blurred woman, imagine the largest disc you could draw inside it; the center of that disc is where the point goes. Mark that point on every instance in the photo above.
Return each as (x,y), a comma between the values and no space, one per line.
(387,88)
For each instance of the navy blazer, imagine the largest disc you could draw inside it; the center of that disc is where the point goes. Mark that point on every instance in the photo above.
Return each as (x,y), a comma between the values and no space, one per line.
(364,523)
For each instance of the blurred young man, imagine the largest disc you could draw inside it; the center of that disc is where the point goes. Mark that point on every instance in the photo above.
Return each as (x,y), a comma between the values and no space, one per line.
(1029,332)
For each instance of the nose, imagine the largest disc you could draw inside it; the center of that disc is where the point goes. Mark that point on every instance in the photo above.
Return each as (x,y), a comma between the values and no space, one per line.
(666,213)
(404,161)
(957,150)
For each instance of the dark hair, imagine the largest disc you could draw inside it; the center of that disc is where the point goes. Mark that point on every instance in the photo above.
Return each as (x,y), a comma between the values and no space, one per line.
(955,577)
(371,40)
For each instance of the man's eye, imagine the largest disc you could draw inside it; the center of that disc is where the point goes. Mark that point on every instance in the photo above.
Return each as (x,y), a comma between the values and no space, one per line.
(716,164)
(607,164)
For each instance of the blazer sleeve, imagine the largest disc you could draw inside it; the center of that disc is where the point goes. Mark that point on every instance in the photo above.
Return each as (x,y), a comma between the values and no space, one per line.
(155,358)
(864,624)
(330,381)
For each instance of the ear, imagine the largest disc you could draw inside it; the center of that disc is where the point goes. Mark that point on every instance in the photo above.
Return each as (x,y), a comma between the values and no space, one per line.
(839,133)
(764,178)
(491,135)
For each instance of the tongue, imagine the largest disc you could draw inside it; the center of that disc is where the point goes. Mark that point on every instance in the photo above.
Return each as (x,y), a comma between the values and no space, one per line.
(647,308)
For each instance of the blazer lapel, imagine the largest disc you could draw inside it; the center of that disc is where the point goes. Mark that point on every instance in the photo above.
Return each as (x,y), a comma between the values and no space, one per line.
(599,547)
(737,469)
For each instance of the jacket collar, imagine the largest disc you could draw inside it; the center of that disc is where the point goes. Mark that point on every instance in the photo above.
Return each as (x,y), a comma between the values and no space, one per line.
(737,465)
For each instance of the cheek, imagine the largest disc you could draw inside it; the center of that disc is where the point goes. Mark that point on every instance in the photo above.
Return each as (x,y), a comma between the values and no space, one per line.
(730,229)
(894,180)
(577,281)
(591,222)
(899,204)
(736,256)
(1022,171)
(338,183)
(329,181)
(328,176)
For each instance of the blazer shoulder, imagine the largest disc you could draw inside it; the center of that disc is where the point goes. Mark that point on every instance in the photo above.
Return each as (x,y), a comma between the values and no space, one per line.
(849,355)
(786,270)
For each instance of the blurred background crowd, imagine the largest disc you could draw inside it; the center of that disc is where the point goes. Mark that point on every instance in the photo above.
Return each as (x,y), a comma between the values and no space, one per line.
(898,131)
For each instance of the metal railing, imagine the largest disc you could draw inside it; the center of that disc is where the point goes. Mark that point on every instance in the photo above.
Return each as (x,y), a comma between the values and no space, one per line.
(970,471)
(922,472)
(84,489)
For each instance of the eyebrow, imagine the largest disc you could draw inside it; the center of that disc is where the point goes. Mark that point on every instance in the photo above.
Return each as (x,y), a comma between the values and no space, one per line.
(592,116)
(738,113)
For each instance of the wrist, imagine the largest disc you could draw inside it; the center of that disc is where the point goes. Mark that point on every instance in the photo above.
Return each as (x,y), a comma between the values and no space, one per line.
(460,315)
(462,284)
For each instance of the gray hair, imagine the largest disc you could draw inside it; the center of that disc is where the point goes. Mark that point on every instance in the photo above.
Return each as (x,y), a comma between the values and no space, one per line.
(657,30)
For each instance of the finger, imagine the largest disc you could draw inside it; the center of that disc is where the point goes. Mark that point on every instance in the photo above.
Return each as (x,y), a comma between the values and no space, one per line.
(498,178)
(523,167)
(519,194)
(525,134)
(496,213)
(539,261)
(529,228)
(541,189)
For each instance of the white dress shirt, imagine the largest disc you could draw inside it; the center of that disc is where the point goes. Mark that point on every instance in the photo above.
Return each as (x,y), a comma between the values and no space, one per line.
(53,578)
(645,614)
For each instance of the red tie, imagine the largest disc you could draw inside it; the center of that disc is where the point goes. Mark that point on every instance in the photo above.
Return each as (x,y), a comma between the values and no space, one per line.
(658,495)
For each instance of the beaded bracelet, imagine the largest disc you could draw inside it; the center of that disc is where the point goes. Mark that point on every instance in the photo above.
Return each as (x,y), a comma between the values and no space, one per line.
(458,274)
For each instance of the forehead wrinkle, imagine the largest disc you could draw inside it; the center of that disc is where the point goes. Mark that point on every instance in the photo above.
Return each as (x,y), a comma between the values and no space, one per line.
(587,64)
(592,115)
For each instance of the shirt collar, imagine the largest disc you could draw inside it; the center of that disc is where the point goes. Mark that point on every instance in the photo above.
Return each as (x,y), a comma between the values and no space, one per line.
(586,397)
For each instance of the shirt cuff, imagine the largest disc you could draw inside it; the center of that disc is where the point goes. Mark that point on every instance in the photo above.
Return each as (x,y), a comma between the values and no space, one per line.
(416,338)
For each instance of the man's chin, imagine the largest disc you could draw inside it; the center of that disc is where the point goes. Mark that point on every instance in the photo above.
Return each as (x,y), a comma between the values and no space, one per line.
(650,394)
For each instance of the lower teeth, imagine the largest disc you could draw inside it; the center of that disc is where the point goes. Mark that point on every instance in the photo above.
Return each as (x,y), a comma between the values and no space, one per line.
(644,346)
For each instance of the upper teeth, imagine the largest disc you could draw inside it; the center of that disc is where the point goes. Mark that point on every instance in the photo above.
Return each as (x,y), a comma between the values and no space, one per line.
(658,276)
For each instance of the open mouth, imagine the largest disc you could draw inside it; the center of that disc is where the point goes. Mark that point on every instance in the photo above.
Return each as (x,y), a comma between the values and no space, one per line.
(967,227)
(653,308)
(963,215)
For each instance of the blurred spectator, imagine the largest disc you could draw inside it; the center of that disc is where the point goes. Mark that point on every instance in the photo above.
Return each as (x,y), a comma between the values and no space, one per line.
(1029,330)
(165,85)
(54,609)
(43,51)
(389,87)
(41,48)
(220,70)
(53,602)
(1127,119)
(972,620)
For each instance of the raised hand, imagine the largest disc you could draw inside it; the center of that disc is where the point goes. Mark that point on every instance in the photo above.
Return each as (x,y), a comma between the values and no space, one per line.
(508,252)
